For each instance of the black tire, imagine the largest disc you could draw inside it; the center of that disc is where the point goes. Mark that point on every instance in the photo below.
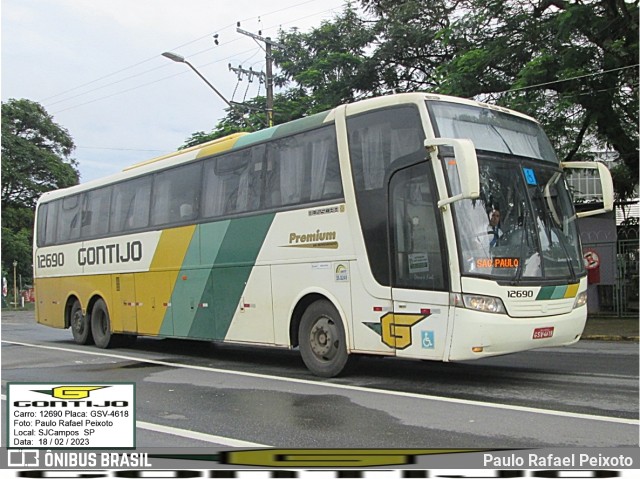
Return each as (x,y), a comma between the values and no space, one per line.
(79,324)
(101,325)
(322,339)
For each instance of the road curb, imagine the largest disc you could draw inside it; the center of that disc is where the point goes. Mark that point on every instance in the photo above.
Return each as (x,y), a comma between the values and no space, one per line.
(610,337)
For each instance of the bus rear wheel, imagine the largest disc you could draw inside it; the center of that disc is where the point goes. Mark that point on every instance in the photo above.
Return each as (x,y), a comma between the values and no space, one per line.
(101,325)
(322,339)
(79,323)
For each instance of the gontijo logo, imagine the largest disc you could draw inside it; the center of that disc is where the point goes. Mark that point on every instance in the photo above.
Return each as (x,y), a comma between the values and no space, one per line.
(70,392)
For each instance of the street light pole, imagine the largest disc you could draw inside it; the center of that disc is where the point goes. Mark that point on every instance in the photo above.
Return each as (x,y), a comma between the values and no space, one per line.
(180,59)
(15,291)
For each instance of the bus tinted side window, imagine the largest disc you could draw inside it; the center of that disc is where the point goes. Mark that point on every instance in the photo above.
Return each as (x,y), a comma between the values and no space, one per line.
(95,212)
(175,195)
(303,168)
(47,223)
(130,205)
(376,141)
(69,219)
(233,183)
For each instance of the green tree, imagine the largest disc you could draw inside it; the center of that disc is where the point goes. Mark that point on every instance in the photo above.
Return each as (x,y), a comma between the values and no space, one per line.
(318,71)
(36,157)
(329,64)
(569,63)
(572,64)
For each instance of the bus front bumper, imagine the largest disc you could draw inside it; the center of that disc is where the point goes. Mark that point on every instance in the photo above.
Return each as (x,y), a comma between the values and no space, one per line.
(477,335)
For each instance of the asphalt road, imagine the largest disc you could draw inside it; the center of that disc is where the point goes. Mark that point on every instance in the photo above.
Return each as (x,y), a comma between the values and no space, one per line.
(200,394)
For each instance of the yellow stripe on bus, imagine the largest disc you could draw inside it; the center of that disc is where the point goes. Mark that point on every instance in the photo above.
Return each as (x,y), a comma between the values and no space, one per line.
(572,290)
(155,287)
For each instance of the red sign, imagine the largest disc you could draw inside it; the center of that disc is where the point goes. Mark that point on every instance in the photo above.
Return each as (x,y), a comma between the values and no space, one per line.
(591,259)
(541,333)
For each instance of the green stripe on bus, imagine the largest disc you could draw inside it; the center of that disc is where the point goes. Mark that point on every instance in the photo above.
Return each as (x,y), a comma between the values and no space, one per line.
(302,124)
(256,137)
(227,278)
(545,292)
(306,123)
(191,283)
(559,292)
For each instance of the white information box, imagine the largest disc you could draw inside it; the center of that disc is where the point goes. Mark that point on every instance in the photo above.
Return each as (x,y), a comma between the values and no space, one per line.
(71,415)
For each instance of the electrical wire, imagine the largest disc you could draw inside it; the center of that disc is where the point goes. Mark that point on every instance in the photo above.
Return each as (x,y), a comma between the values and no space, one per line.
(588,75)
(174,48)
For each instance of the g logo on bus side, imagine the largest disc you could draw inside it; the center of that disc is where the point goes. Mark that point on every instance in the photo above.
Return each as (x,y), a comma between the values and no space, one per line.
(395,328)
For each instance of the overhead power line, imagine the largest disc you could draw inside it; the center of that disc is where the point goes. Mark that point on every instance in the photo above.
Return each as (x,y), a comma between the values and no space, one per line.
(112,74)
(134,87)
(121,149)
(587,75)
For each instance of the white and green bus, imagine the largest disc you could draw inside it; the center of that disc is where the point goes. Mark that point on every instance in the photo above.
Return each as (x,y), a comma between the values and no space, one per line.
(367,229)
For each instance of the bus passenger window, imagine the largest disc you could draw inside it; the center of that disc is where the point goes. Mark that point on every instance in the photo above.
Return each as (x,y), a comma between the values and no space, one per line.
(377,141)
(50,226)
(69,219)
(130,205)
(171,190)
(303,168)
(94,212)
(232,183)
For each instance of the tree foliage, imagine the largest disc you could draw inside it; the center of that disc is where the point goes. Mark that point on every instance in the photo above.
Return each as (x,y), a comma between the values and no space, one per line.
(329,64)
(36,157)
(572,64)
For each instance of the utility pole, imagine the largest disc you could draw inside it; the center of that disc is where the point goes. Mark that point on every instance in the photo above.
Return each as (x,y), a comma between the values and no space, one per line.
(269,76)
(269,82)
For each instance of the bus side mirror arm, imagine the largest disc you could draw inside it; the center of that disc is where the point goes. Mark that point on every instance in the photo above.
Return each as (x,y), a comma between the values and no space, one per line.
(466,166)
(606,183)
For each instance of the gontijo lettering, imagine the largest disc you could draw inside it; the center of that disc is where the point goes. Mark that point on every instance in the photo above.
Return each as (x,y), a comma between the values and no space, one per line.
(110,253)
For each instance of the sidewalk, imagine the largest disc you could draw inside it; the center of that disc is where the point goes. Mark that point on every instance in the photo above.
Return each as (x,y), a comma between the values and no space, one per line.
(611,328)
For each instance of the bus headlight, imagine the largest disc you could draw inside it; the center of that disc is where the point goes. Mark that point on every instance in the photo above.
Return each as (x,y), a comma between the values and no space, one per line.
(487,304)
(581,300)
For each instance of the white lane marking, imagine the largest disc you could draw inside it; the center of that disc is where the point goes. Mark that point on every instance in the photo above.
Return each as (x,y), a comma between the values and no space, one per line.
(467,402)
(225,441)
(200,436)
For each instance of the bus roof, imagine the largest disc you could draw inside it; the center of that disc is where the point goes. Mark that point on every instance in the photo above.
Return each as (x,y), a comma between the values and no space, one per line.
(241,140)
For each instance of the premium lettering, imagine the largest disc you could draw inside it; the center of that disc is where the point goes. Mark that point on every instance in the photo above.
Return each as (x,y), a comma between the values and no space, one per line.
(312,237)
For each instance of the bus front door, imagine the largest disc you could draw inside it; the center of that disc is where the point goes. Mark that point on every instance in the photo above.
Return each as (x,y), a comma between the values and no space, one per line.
(418,326)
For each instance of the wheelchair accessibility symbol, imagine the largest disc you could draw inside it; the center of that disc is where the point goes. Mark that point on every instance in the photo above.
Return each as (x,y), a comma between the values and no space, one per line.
(428,340)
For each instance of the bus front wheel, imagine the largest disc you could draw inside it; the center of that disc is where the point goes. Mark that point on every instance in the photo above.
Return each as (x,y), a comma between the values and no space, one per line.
(101,325)
(79,323)
(322,339)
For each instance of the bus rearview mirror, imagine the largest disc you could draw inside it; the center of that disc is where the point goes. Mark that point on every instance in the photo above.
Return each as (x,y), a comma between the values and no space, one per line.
(466,162)
(605,179)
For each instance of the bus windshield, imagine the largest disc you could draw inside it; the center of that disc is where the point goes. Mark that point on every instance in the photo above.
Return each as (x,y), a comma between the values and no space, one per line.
(492,130)
(523,225)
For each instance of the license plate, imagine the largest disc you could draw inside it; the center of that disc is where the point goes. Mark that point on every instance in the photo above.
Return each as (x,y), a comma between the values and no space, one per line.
(541,333)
